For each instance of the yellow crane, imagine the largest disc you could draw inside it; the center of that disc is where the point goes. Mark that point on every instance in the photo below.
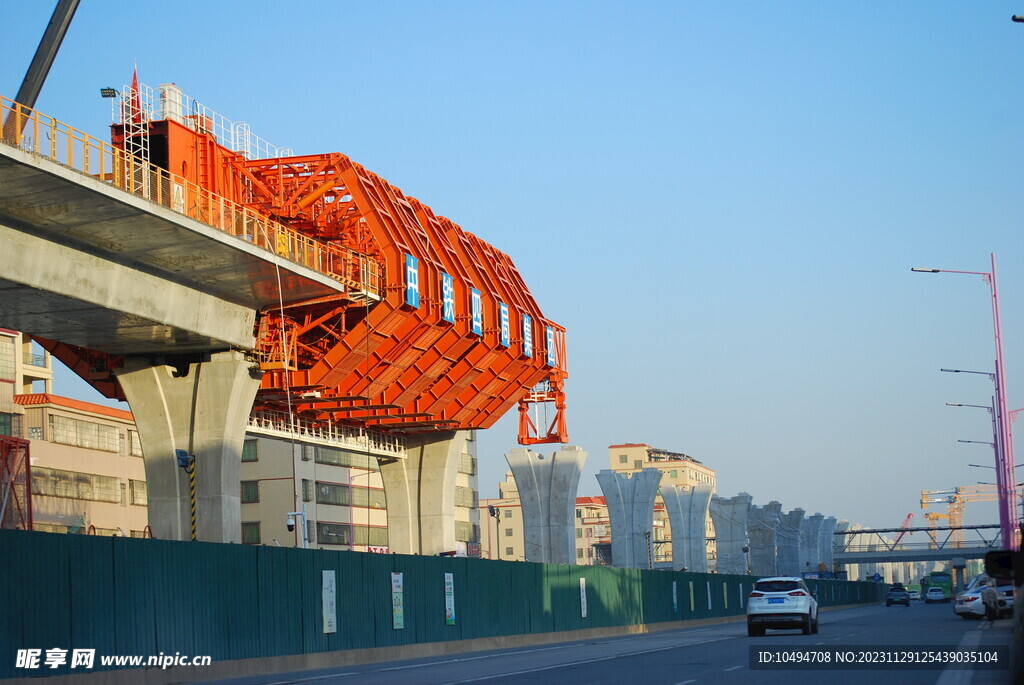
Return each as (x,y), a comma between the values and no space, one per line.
(955,499)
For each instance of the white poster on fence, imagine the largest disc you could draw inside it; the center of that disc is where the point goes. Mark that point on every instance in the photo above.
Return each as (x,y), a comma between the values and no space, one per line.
(583,597)
(329,605)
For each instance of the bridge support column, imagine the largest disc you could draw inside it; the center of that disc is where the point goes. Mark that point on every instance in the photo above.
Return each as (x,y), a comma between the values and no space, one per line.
(631,513)
(762,525)
(787,541)
(205,412)
(547,491)
(825,542)
(420,491)
(730,519)
(810,543)
(687,509)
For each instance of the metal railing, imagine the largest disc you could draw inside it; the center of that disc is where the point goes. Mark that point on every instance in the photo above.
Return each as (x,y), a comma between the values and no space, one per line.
(281,424)
(32,359)
(47,137)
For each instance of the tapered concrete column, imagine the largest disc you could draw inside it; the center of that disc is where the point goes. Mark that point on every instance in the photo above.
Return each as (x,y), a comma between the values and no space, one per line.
(631,512)
(730,519)
(762,524)
(420,492)
(841,527)
(547,492)
(787,542)
(687,509)
(205,412)
(810,543)
(825,540)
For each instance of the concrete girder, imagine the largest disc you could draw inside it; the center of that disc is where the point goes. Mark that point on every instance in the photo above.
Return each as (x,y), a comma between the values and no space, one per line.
(58,292)
(205,413)
(687,509)
(631,512)
(547,492)
(787,541)
(730,519)
(762,525)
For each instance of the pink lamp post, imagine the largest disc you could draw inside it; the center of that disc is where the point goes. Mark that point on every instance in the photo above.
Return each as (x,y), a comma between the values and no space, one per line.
(1004,451)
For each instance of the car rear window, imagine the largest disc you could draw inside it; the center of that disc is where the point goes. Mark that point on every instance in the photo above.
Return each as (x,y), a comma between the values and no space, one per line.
(776,585)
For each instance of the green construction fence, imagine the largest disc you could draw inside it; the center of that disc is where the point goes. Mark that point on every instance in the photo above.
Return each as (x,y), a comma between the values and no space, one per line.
(125,596)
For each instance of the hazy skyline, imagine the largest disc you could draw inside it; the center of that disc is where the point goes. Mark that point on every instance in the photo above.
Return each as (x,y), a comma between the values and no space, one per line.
(722,205)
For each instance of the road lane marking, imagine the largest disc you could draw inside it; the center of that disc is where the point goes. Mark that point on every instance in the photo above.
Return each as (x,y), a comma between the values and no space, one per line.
(732,668)
(583,661)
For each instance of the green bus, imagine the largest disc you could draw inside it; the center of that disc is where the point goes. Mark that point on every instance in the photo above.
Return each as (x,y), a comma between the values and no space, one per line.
(941,579)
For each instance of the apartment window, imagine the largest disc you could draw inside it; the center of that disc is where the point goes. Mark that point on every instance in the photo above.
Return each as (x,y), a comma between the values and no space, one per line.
(308,451)
(333,533)
(124,494)
(250,532)
(579,513)
(332,493)
(508,513)
(508,532)
(465,497)
(638,464)
(138,492)
(579,554)
(98,436)
(339,457)
(590,552)
(674,474)
(509,552)
(579,532)
(250,491)
(250,450)
(623,458)
(134,444)
(48,482)
(307,490)
(372,535)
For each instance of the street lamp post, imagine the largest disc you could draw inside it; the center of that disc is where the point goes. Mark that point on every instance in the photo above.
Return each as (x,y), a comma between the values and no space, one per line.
(1004,439)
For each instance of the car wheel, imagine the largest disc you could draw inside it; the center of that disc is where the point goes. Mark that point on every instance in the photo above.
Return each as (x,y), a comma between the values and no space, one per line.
(754,631)
(806,627)
(814,627)
(888,603)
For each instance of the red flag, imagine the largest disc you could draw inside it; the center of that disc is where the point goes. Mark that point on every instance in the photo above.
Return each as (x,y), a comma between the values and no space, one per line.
(135,99)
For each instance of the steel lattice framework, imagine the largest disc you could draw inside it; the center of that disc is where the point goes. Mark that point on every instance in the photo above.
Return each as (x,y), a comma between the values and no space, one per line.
(435,329)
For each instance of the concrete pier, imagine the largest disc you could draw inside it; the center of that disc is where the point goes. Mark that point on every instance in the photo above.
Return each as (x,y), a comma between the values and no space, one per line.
(787,541)
(631,511)
(203,410)
(762,524)
(547,491)
(810,542)
(687,509)
(420,491)
(730,519)
(826,540)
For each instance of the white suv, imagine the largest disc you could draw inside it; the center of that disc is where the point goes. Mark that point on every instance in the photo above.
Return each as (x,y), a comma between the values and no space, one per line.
(781,602)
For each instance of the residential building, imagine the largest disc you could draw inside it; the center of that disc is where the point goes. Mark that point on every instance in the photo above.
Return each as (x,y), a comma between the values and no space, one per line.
(88,474)
(504,536)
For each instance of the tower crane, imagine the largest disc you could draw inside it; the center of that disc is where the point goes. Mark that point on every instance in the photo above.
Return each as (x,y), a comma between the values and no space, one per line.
(955,499)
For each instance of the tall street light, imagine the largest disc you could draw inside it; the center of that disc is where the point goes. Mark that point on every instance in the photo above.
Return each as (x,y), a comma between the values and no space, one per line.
(1004,450)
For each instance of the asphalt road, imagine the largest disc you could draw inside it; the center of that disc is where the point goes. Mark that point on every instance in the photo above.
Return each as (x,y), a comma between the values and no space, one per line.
(717,655)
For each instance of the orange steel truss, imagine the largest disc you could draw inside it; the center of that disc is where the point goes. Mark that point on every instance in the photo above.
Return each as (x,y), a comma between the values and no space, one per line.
(436,329)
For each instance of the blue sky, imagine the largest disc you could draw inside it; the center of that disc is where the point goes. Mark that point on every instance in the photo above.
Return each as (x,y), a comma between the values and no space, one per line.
(721,202)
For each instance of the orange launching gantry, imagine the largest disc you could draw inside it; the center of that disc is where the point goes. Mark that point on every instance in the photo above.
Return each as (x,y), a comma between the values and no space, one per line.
(437,329)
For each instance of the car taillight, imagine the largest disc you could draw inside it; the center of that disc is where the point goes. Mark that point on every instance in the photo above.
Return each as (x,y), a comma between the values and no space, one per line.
(968,599)
(756,594)
(798,593)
